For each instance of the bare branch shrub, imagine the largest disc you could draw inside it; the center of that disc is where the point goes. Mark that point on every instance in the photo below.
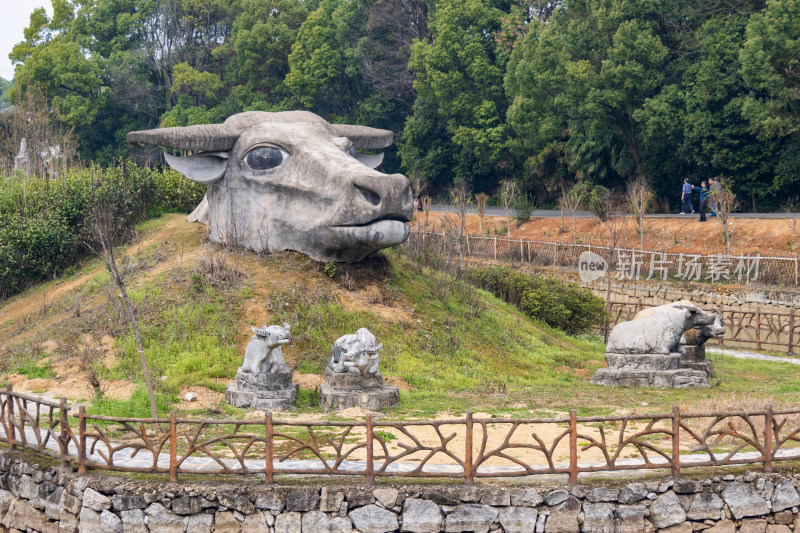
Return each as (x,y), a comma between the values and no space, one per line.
(509,189)
(726,203)
(611,210)
(108,229)
(639,194)
(461,197)
(480,199)
(214,270)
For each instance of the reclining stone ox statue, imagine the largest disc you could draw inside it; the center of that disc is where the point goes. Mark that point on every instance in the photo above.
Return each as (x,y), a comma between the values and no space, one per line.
(661,347)
(291,181)
(657,330)
(358,353)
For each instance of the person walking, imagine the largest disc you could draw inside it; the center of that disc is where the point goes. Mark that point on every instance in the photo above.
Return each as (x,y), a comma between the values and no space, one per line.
(686,196)
(703,198)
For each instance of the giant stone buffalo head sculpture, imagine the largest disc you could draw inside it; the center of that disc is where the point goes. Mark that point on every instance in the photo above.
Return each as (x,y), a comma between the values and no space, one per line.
(291,181)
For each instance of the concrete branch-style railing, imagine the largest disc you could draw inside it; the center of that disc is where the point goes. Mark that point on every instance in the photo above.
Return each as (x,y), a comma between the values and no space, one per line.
(468,448)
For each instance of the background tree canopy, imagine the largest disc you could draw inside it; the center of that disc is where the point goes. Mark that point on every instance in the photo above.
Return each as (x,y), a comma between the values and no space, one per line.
(547,93)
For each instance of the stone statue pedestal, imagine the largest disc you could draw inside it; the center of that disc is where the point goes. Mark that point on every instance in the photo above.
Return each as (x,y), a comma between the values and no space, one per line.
(343,390)
(649,370)
(262,390)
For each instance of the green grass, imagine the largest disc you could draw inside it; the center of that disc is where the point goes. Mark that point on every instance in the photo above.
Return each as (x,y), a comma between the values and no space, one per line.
(137,407)
(458,347)
(33,369)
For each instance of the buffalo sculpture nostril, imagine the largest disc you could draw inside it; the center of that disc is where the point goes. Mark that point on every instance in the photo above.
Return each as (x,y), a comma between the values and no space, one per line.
(369,195)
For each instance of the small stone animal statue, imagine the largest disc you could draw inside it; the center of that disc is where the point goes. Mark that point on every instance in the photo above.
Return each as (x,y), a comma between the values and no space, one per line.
(358,353)
(657,330)
(289,180)
(264,353)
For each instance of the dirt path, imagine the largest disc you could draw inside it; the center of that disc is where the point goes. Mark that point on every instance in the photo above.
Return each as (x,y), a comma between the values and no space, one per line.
(34,299)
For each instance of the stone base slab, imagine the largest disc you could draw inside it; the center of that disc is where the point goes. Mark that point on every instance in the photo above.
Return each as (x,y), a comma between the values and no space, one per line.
(372,399)
(667,379)
(353,381)
(277,400)
(619,361)
(703,366)
(264,381)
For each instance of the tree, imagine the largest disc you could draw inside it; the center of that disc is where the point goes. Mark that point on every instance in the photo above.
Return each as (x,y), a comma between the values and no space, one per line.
(457,127)
(612,214)
(5,87)
(725,200)
(107,230)
(461,197)
(323,74)
(261,40)
(771,70)
(567,79)
(573,200)
(481,198)
(639,195)
(509,190)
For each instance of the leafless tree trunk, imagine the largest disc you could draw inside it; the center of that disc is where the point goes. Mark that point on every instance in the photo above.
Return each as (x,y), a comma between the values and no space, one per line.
(426,208)
(726,204)
(793,208)
(481,199)
(614,220)
(639,195)
(107,230)
(461,196)
(508,193)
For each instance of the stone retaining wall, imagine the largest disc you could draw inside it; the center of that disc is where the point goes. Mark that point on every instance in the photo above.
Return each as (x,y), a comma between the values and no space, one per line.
(44,499)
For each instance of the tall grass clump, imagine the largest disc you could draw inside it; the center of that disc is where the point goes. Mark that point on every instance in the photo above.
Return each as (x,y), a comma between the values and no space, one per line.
(46,224)
(565,306)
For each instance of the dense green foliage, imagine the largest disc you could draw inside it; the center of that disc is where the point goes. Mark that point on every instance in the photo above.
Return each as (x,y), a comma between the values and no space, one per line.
(5,87)
(46,225)
(546,93)
(565,306)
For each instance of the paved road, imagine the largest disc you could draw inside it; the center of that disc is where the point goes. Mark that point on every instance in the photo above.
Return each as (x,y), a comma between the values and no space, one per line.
(551,213)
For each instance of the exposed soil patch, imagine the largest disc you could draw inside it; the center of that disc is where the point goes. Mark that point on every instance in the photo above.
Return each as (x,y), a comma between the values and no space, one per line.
(309,381)
(773,237)
(206,399)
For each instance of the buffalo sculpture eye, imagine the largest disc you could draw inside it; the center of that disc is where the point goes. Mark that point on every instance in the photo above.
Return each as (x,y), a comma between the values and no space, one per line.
(265,157)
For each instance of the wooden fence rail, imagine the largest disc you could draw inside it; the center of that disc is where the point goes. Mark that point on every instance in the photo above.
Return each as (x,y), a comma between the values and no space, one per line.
(465,448)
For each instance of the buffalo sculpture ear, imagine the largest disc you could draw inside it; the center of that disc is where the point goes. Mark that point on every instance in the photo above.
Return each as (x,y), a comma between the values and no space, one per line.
(204,168)
(372,161)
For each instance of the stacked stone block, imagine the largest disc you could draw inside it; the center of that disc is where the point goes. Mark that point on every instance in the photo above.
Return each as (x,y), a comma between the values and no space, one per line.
(41,499)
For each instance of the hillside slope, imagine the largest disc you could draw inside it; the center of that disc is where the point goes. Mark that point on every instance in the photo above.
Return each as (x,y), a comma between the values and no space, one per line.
(447,345)
(444,340)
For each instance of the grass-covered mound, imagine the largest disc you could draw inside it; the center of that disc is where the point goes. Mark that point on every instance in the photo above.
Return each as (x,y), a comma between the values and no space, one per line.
(448,344)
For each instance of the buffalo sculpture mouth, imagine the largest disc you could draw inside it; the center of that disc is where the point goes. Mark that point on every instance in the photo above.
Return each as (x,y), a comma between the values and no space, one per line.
(291,181)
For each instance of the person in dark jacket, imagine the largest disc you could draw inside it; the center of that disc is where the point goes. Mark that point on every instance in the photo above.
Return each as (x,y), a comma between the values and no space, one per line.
(686,196)
(703,199)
